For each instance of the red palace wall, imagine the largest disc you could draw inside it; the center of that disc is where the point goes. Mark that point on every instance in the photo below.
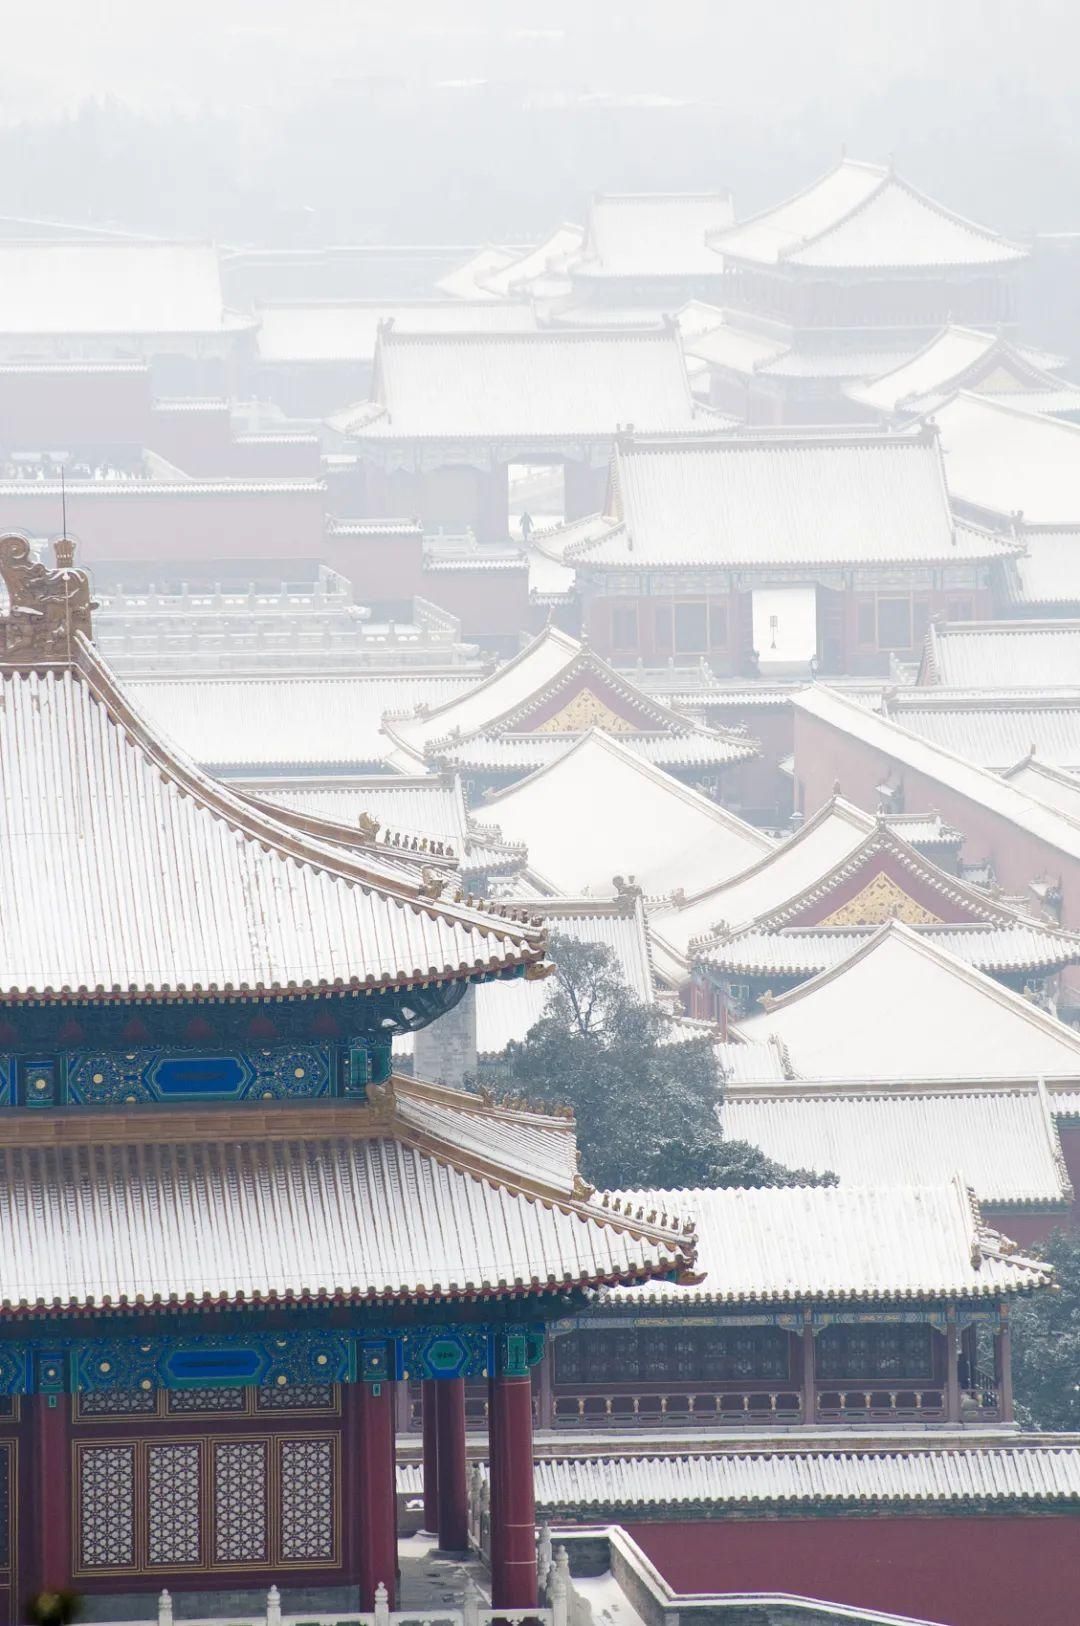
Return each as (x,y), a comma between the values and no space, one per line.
(960,1571)
(67,410)
(490,603)
(146,525)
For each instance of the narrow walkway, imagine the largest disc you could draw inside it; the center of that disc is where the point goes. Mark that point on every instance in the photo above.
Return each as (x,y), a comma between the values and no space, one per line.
(429,1580)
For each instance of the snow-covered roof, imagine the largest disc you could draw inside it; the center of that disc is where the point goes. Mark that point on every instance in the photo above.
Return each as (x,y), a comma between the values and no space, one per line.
(900,1006)
(1004,1141)
(346,331)
(1046,784)
(598,810)
(803,951)
(112,288)
(773,878)
(526,270)
(481,701)
(952,1474)
(1007,461)
(902,744)
(469,280)
(435,1195)
(1048,570)
(777,1244)
(653,234)
(308,721)
(770,500)
(956,357)
(993,730)
(978,654)
(547,385)
(126,871)
(863,217)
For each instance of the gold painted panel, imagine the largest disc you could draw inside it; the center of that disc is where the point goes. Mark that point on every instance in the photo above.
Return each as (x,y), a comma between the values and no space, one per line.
(881,899)
(586,710)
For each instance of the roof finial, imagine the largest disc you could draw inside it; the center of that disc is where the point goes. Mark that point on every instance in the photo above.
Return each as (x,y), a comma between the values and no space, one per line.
(46,608)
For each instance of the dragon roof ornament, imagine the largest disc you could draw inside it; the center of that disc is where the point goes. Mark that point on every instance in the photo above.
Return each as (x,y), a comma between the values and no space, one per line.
(46,608)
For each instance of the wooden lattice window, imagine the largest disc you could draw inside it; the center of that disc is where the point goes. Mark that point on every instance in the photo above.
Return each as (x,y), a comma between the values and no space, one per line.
(872,1350)
(673,1355)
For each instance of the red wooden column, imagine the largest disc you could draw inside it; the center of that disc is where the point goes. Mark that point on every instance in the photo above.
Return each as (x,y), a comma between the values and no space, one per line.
(431,1456)
(809,1369)
(513,1506)
(450,1465)
(952,1369)
(495,1481)
(1003,1363)
(377,1485)
(51,1477)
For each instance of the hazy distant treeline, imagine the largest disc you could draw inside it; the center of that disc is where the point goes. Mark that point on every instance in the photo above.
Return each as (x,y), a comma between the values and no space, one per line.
(378,161)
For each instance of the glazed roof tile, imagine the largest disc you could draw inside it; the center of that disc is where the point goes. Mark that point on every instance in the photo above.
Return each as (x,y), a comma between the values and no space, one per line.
(777,875)
(1005,1141)
(599,810)
(469,280)
(124,870)
(439,1197)
(863,216)
(1031,1473)
(943,366)
(304,720)
(524,271)
(551,384)
(1048,571)
(1006,461)
(112,288)
(1045,784)
(763,500)
(803,951)
(793,1243)
(990,730)
(853,1021)
(974,654)
(653,234)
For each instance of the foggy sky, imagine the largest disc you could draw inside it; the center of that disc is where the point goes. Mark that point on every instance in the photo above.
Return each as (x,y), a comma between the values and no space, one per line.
(782,55)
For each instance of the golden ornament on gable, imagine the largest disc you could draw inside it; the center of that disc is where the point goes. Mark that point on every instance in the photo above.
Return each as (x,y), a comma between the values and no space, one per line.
(881,899)
(586,710)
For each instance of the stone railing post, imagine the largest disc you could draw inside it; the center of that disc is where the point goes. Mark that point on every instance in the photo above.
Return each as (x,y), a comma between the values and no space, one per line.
(559,1589)
(471,1603)
(382,1605)
(543,1555)
(164,1609)
(273,1607)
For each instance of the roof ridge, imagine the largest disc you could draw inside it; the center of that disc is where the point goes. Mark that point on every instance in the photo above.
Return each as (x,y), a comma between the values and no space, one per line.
(250,821)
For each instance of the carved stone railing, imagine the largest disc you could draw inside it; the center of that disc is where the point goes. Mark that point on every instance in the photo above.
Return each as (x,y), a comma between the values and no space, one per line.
(473,1612)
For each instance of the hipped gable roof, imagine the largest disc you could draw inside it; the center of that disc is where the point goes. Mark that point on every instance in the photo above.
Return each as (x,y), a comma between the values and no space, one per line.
(541,386)
(772,500)
(774,1245)
(127,872)
(862,217)
(599,809)
(900,1006)
(424,1194)
(1005,1141)
(956,358)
